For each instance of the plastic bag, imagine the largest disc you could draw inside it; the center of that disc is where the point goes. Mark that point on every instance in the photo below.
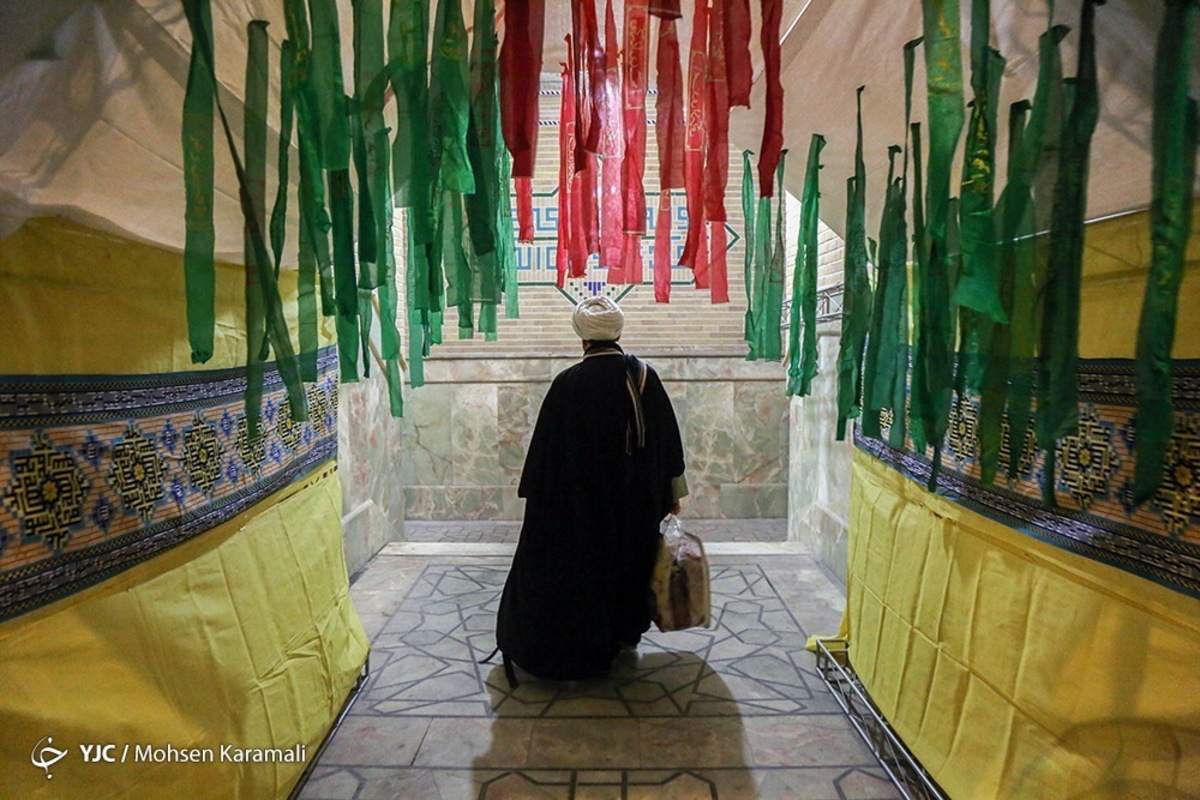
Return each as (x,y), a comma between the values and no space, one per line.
(679,582)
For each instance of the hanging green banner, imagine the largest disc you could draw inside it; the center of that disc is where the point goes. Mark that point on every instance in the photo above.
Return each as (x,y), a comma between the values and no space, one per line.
(879,366)
(943,78)
(328,86)
(450,97)
(803,358)
(200,232)
(1058,390)
(1174,140)
(255,137)
(856,298)
(749,234)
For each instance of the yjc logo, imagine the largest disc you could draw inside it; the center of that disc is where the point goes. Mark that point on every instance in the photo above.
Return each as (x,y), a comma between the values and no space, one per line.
(46,755)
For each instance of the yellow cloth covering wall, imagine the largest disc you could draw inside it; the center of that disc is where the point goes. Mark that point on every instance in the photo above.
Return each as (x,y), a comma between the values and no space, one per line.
(243,635)
(1012,668)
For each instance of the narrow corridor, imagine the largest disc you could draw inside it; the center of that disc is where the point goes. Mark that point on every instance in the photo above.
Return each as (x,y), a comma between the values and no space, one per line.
(737,711)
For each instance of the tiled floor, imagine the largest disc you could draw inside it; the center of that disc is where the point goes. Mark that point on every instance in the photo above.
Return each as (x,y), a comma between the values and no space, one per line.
(732,712)
(710,530)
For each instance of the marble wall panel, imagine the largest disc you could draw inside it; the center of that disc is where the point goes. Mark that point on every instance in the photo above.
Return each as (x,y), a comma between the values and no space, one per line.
(753,501)
(819,484)
(428,450)
(475,436)
(710,442)
(760,420)
(460,502)
(469,439)
(370,454)
(518,405)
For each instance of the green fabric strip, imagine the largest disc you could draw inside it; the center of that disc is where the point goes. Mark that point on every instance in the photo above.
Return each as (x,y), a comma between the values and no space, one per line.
(943,78)
(879,369)
(856,303)
(277,331)
(507,249)
(749,233)
(770,342)
(366,318)
(1013,210)
(918,412)
(1174,142)
(802,363)
(1058,389)
(369,275)
(255,138)
(978,287)
(900,386)
(1035,180)
(200,233)
(287,77)
(328,87)
(341,201)
(307,301)
(416,316)
(408,49)
(450,97)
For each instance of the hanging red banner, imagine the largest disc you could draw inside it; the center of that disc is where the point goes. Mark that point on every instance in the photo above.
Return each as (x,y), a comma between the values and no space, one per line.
(612,148)
(632,258)
(665,9)
(772,141)
(635,55)
(662,248)
(718,268)
(717,172)
(520,74)
(697,124)
(737,51)
(669,129)
(566,174)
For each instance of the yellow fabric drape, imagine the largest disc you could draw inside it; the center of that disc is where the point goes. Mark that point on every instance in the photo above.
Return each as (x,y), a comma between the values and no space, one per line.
(1012,668)
(244,635)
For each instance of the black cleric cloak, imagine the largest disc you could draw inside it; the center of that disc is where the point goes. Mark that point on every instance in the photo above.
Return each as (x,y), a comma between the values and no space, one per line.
(596,485)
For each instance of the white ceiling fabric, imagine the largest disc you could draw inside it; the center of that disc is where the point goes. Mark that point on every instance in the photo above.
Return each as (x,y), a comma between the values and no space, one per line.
(92,94)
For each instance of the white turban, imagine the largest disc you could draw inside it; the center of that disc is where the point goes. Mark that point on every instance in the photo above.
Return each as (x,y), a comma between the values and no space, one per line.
(598,319)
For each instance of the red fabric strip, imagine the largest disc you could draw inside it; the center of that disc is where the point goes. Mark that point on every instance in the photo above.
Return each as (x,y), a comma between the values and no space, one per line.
(737,51)
(612,147)
(662,249)
(590,214)
(665,9)
(524,187)
(635,55)
(701,268)
(595,64)
(566,173)
(697,123)
(718,269)
(632,259)
(668,132)
(717,173)
(772,141)
(520,71)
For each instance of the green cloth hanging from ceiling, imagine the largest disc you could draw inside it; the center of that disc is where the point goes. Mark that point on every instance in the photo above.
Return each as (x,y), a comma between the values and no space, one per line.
(900,386)
(1014,212)
(856,303)
(1174,143)
(450,97)
(277,331)
(255,139)
(200,231)
(287,77)
(879,365)
(919,390)
(943,78)
(978,287)
(750,331)
(770,272)
(1057,388)
(1038,171)
(341,202)
(803,359)
(328,87)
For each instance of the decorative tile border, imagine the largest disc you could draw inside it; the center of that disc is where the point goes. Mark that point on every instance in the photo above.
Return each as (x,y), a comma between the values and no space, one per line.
(1095,516)
(101,473)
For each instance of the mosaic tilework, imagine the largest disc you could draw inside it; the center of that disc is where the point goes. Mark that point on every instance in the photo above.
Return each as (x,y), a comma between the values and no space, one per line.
(103,472)
(732,712)
(1093,477)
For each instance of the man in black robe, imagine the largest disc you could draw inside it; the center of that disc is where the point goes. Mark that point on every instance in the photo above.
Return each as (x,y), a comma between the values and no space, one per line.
(605,465)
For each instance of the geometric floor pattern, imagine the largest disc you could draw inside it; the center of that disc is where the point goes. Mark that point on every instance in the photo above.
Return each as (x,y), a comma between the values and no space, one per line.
(735,711)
